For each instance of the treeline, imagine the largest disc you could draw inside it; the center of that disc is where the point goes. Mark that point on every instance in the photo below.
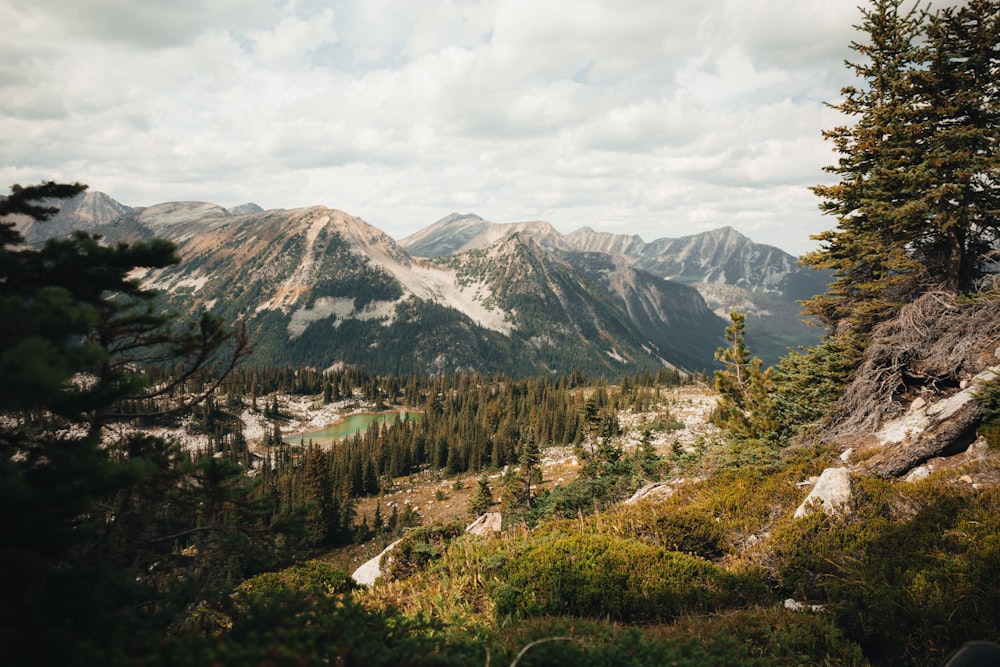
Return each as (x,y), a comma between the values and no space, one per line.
(467,423)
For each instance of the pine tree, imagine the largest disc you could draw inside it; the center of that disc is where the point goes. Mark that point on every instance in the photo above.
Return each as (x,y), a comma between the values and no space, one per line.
(483,499)
(103,521)
(956,184)
(742,384)
(528,456)
(322,510)
(873,273)
(919,172)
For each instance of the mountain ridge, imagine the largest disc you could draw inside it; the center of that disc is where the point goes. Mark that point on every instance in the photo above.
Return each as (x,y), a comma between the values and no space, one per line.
(320,287)
(729,270)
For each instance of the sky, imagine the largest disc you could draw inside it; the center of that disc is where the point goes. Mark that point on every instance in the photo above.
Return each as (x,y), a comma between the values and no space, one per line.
(660,118)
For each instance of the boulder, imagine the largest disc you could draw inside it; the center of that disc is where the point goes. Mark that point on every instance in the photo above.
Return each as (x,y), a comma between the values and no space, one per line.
(653,491)
(490,523)
(371,569)
(832,493)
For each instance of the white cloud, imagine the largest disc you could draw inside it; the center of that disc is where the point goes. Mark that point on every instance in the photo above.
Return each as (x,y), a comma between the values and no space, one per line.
(636,116)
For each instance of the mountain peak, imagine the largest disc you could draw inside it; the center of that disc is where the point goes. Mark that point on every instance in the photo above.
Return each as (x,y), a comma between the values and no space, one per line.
(248,208)
(456,217)
(93,208)
(459,233)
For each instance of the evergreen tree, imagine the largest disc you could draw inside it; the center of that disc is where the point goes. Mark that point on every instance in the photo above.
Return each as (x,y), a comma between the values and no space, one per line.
(100,526)
(483,500)
(919,185)
(742,384)
(528,456)
(322,513)
(956,184)
(873,272)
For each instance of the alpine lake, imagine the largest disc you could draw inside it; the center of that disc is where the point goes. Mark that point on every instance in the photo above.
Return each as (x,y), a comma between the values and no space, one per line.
(348,426)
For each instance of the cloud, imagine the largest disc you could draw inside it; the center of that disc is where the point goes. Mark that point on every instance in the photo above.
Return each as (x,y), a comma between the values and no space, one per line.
(634,116)
(141,26)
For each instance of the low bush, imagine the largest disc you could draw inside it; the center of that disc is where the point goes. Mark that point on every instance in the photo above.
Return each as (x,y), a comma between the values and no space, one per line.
(768,635)
(910,575)
(756,637)
(419,547)
(313,576)
(583,495)
(600,576)
(291,628)
(689,529)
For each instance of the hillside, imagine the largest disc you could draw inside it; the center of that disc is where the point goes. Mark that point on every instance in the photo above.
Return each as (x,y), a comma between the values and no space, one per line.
(729,271)
(867,540)
(319,287)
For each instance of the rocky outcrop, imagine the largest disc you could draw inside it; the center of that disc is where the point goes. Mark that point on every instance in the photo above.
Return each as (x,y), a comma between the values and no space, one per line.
(655,491)
(488,524)
(831,493)
(928,430)
(372,568)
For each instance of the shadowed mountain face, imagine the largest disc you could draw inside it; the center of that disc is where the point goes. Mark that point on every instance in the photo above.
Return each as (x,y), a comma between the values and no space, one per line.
(729,271)
(319,287)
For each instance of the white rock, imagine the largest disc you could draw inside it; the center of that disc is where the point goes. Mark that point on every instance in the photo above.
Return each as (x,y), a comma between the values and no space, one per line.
(905,426)
(918,473)
(808,481)
(832,492)
(795,605)
(491,522)
(845,456)
(654,490)
(371,569)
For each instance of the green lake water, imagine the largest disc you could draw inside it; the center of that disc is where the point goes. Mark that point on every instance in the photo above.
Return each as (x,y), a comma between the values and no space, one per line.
(348,426)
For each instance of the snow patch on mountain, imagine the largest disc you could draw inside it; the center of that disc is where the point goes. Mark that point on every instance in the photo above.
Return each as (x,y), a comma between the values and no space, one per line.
(169,281)
(342,308)
(441,285)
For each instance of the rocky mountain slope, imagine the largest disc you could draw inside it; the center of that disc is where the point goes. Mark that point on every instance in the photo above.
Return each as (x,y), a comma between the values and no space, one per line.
(730,271)
(318,287)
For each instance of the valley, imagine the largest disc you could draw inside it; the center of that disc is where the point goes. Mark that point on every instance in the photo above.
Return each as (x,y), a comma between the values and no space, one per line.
(626,503)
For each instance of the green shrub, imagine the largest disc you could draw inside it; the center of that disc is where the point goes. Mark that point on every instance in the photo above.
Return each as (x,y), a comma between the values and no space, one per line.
(313,576)
(756,637)
(572,641)
(910,575)
(769,636)
(583,495)
(419,547)
(607,576)
(689,529)
(293,628)
(988,395)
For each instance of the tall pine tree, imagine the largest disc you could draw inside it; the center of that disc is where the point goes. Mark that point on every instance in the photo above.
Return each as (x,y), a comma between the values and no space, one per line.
(917,199)
(873,273)
(956,184)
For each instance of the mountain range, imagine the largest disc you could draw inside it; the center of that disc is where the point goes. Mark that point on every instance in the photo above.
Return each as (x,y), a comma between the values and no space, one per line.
(319,287)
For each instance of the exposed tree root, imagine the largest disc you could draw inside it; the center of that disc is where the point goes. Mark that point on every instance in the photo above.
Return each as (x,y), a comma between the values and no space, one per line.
(929,348)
